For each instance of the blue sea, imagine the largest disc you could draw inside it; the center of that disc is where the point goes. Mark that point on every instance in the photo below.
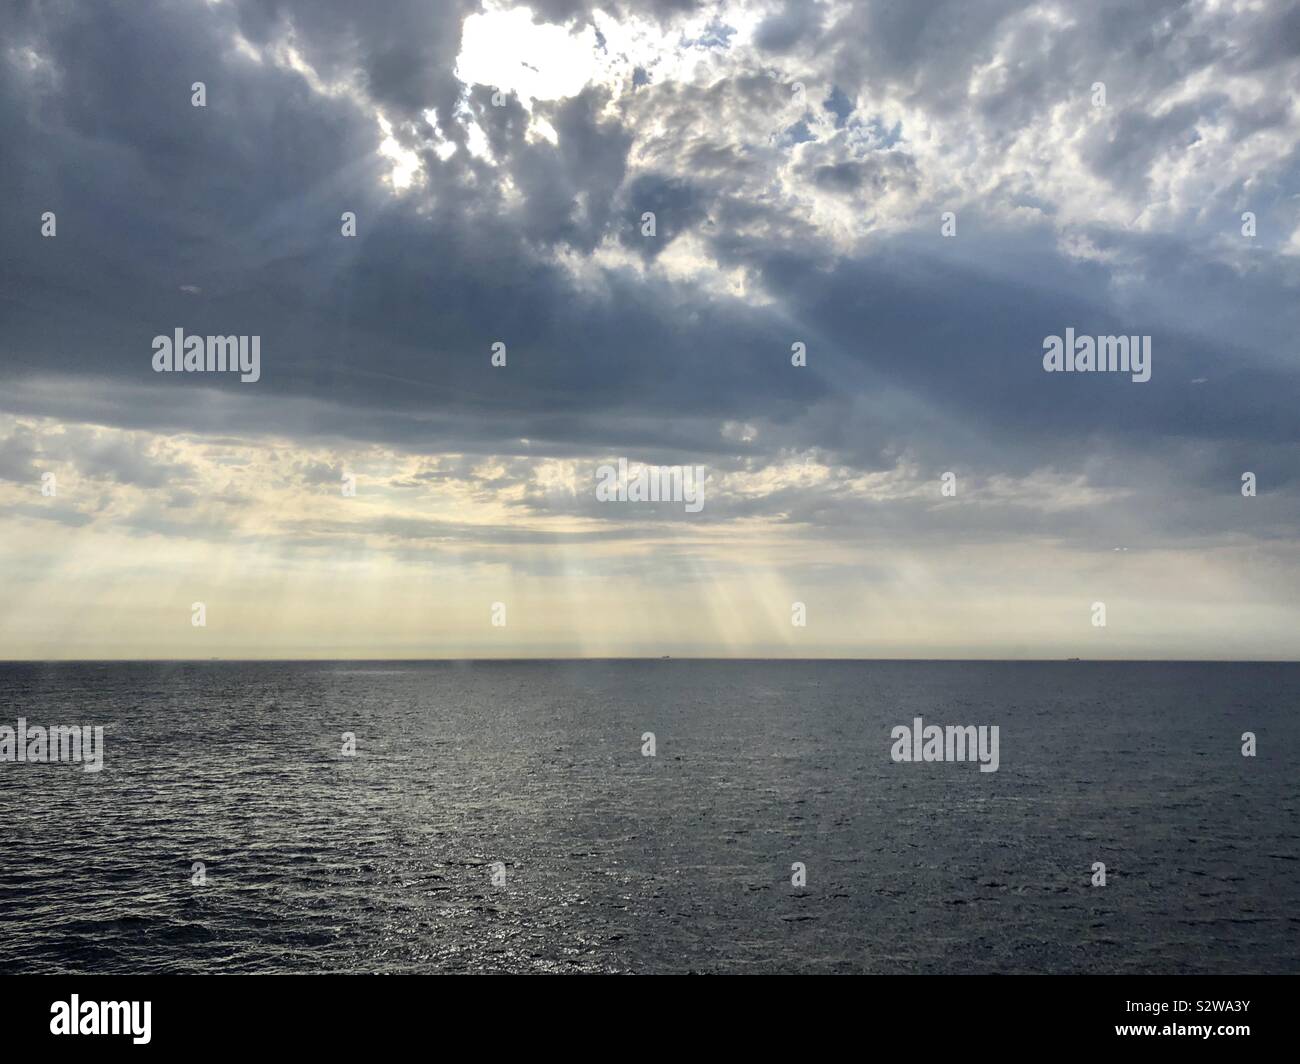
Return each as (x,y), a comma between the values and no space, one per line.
(503,817)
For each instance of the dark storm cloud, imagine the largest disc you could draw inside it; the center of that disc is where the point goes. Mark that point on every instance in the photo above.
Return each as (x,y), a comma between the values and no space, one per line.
(18,454)
(872,174)
(569,192)
(1125,153)
(795,22)
(404,50)
(916,347)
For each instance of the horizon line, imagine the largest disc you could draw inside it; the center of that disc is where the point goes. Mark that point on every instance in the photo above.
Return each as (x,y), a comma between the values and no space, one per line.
(646,657)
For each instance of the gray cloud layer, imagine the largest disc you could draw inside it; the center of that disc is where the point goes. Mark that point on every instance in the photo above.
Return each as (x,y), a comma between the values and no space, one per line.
(919,346)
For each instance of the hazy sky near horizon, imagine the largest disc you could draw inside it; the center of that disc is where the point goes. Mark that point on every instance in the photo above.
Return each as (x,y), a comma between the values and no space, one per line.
(798,160)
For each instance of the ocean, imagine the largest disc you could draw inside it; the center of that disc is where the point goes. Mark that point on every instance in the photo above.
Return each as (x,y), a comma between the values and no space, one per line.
(505,817)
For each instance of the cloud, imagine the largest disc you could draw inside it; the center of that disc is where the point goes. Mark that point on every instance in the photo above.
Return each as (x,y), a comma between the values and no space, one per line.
(797,159)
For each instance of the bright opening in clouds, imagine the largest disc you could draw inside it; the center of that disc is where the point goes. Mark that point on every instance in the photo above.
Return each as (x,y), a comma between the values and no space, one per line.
(507,49)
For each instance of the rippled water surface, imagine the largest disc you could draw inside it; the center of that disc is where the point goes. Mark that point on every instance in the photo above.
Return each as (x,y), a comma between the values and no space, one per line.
(681,862)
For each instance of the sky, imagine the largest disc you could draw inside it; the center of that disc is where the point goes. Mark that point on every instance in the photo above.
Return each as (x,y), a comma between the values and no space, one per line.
(813,248)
